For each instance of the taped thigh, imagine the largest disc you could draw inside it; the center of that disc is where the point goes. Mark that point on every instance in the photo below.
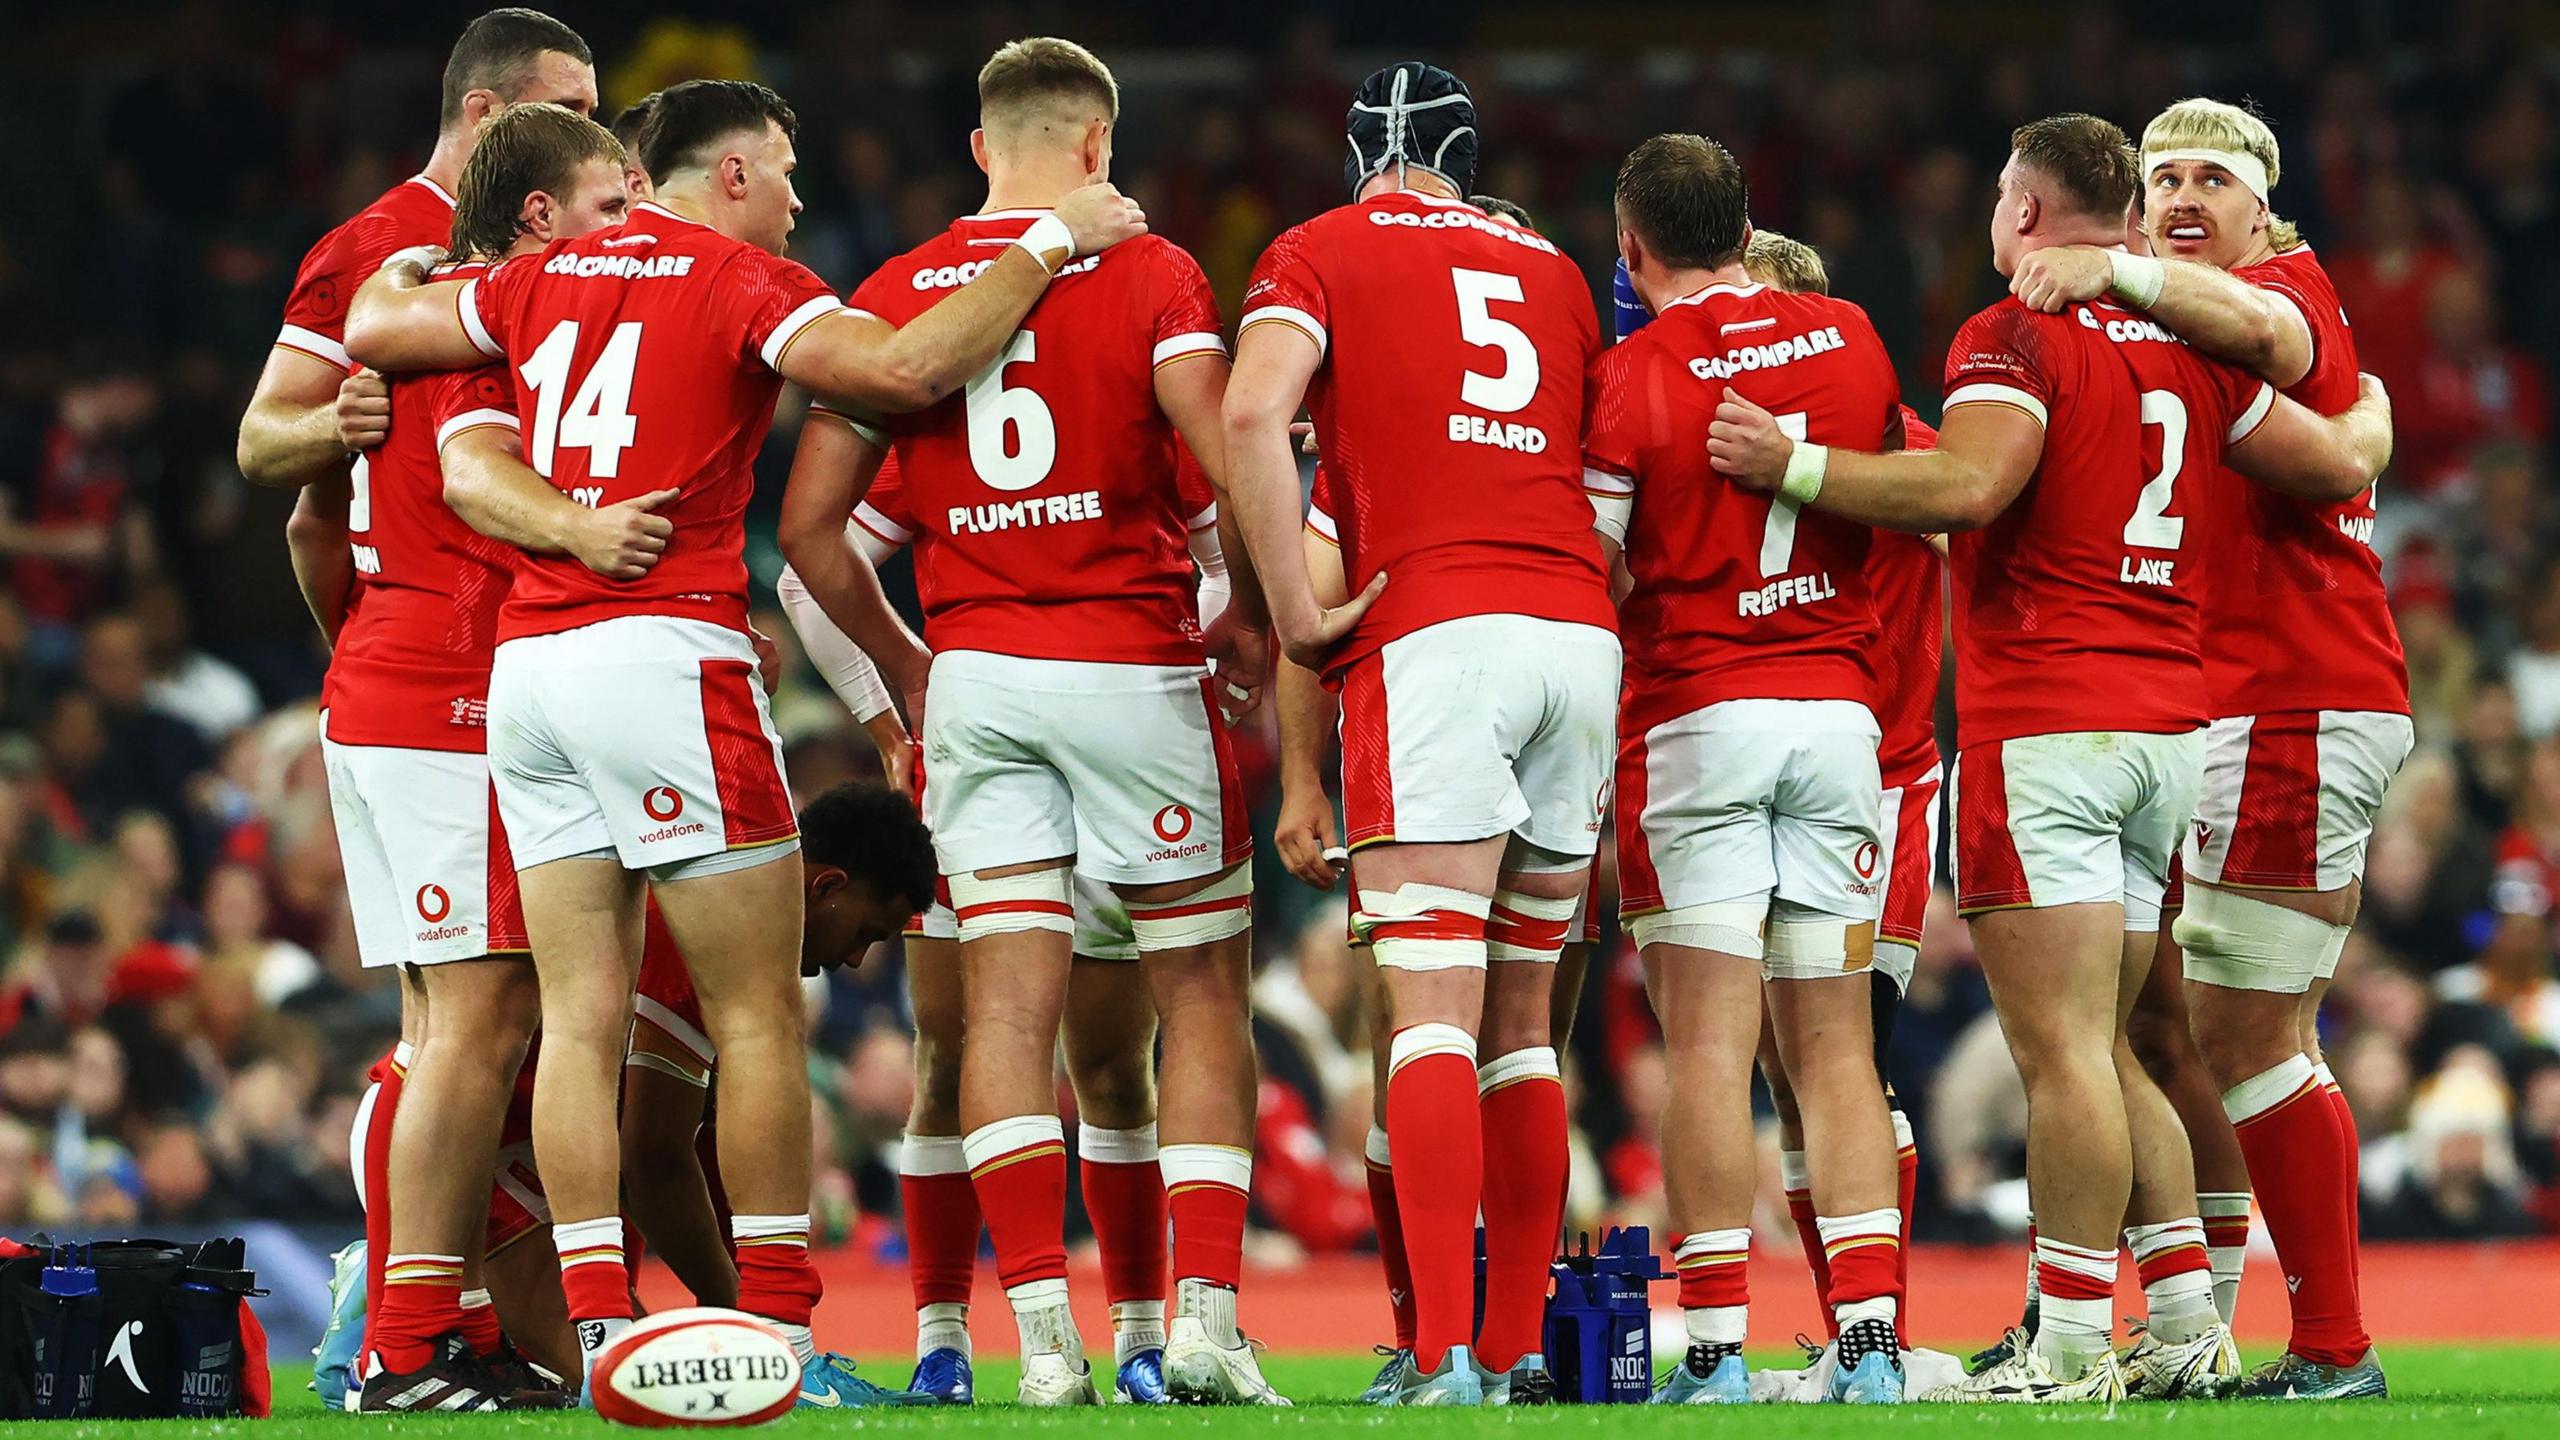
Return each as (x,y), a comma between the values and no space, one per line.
(1728,927)
(1423,927)
(2241,943)
(1216,911)
(1037,900)
(1807,944)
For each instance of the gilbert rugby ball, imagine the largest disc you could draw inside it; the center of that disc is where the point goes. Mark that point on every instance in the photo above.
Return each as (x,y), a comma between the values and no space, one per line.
(697,1367)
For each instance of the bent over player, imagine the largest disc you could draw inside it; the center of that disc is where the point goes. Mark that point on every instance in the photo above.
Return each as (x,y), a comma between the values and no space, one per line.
(1442,353)
(629,739)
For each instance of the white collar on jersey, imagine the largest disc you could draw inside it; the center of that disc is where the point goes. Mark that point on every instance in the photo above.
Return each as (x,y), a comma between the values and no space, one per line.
(1719,288)
(1026,212)
(439,191)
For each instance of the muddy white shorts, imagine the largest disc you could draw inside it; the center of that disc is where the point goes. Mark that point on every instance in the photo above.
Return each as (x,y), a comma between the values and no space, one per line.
(2081,818)
(1483,726)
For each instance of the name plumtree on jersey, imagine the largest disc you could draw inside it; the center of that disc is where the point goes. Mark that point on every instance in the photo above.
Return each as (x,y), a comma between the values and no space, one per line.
(1739,595)
(2077,607)
(644,359)
(1046,492)
(1448,408)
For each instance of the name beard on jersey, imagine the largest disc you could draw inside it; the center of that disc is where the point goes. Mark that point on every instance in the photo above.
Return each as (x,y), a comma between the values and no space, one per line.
(1072,509)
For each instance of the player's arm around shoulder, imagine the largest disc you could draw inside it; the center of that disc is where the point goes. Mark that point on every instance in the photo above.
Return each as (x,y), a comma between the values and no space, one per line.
(1986,453)
(895,369)
(402,320)
(2214,310)
(2297,451)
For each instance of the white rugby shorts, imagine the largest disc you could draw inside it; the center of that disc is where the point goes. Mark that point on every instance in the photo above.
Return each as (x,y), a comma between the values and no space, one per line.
(2288,800)
(646,737)
(428,874)
(2071,819)
(1481,726)
(1124,767)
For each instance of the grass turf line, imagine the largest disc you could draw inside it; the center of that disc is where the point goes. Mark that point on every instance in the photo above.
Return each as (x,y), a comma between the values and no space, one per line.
(2490,1392)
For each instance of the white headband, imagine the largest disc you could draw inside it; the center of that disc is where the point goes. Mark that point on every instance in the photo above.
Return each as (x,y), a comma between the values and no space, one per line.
(2243,167)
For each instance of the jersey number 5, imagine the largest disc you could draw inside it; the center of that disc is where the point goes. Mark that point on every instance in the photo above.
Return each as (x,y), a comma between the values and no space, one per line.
(1517,385)
(598,418)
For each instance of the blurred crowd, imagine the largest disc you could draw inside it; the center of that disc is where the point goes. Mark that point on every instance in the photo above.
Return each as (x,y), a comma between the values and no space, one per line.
(183,1026)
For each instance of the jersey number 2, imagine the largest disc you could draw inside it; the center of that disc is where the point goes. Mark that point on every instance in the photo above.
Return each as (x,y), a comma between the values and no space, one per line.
(2152,526)
(598,418)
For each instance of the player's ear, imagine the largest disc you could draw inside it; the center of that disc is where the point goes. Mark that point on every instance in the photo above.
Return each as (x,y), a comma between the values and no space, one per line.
(826,880)
(1096,151)
(535,215)
(2030,211)
(978,146)
(479,105)
(733,174)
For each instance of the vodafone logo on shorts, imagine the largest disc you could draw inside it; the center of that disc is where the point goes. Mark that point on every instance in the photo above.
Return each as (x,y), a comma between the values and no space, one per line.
(1865,858)
(433,903)
(1173,822)
(663,802)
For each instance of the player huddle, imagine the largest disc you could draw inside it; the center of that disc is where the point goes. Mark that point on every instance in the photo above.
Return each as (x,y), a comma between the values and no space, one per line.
(1698,569)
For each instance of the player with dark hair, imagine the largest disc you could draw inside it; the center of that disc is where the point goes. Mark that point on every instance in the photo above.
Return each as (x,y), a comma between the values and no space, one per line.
(629,127)
(1751,839)
(1073,727)
(309,424)
(2079,710)
(631,746)
(1442,352)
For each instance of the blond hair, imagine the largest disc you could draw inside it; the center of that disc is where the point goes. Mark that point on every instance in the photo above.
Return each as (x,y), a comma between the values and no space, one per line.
(1024,75)
(2206,124)
(522,149)
(1785,262)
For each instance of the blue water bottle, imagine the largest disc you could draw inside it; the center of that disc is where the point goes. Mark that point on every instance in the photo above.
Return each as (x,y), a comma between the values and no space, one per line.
(65,1336)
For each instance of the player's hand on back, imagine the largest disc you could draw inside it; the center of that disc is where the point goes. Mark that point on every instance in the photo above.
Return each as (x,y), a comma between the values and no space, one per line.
(1746,446)
(1311,643)
(364,410)
(2060,275)
(1305,832)
(624,541)
(1099,217)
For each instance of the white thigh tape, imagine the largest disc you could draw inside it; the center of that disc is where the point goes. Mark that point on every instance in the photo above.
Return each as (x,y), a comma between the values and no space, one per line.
(2239,943)
(1038,900)
(1528,927)
(1728,927)
(1216,911)
(1423,927)
(1821,949)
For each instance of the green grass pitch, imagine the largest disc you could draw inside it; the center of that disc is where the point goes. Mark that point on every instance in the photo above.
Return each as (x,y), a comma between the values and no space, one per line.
(2478,1392)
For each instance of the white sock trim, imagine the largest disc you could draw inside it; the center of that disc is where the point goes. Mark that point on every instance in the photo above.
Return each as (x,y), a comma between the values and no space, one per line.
(1432,1038)
(1228,1165)
(2269,1088)
(999,1138)
(1535,1062)
(932,1155)
(1794,1176)
(769,1227)
(1098,1146)
(1377,1149)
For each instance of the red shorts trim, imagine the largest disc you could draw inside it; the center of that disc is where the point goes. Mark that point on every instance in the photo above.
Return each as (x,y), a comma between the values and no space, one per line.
(1989,874)
(755,806)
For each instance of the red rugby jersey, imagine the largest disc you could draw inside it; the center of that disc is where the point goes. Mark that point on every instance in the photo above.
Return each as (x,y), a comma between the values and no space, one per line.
(2076,608)
(417,211)
(643,357)
(2295,614)
(1738,595)
(1046,511)
(1907,582)
(1449,406)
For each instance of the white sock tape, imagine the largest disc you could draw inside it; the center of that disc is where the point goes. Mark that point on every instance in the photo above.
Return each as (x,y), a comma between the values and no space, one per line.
(1413,1042)
(1536,1062)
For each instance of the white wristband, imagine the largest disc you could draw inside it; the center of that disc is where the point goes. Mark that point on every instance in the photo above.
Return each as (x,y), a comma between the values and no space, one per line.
(1805,468)
(2138,278)
(1049,236)
(425,257)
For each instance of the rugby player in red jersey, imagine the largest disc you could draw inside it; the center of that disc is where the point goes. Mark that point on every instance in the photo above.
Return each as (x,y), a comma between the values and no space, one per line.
(1443,352)
(2310,700)
(1108,1038)
(1072,726)
(1750,843)
(305,427)
(630,742)
(2079,713)
(404,740)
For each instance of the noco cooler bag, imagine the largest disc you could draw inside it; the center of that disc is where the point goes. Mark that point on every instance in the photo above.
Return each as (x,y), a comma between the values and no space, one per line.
(129,1330)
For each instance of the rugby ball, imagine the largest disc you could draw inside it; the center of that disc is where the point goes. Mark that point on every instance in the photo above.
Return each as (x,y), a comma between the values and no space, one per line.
(698,1367)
